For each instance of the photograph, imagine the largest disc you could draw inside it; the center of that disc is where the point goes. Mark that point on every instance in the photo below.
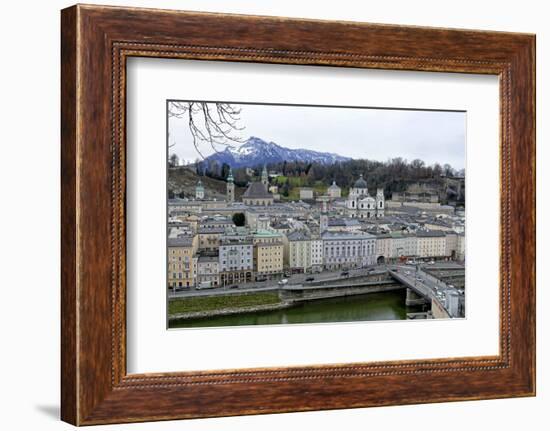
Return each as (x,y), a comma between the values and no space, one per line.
(285,214)
(253,215)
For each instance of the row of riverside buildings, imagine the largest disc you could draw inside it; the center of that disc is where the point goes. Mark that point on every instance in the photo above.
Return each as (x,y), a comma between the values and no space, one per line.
(222,254)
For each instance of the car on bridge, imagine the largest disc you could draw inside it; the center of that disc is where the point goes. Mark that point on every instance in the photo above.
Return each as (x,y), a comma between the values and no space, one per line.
(309,279)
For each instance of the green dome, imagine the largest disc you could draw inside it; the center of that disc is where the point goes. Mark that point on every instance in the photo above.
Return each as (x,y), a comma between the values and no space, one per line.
(360,183)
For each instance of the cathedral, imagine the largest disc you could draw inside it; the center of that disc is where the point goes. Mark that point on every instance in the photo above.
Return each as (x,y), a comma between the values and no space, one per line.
(361,205)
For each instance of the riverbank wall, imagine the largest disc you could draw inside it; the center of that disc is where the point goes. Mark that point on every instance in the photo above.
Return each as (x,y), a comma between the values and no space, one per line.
(229,311)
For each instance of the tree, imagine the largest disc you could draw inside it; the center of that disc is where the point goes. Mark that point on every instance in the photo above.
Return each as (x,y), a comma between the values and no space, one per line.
(286,188)
(417,169)
(448,170)
(213,168)
(199,167)
(239,219)
(209,123)
(437,170)
(174,160)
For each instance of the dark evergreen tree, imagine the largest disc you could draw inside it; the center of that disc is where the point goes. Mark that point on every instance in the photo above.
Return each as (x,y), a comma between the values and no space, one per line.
(239,219)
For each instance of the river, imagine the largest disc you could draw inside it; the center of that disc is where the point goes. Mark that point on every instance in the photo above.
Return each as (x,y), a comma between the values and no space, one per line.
(369,307)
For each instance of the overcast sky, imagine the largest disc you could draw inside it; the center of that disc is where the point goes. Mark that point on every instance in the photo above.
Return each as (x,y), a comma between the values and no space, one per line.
(376,134)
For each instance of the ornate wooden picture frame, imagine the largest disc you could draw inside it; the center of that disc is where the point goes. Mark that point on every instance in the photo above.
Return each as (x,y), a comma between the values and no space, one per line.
(96,41)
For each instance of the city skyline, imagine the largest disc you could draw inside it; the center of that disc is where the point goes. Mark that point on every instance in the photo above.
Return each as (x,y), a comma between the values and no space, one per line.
(323,240)
(359,133)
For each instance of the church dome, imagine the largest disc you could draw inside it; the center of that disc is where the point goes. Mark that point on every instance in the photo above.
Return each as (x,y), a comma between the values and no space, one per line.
(360,183)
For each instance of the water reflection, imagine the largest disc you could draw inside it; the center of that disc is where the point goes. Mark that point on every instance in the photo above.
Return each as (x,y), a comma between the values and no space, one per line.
(374,306)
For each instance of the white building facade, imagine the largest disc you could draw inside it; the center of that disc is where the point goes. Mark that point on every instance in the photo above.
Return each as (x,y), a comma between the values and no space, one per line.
(306,193)
(208,270)
(298,252)
(383,247)
(348,250)
(316,253)
(430,244)
(461,247)
(403,245)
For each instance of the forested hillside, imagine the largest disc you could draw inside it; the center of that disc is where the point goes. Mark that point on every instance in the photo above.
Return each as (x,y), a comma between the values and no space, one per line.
(395,175)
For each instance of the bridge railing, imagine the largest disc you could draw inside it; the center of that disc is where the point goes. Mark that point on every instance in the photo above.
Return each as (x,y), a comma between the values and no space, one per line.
(420,289)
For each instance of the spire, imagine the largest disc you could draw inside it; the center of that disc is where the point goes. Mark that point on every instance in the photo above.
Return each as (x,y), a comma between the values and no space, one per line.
(199,190)
(323,218)
(230,186)
(230,175)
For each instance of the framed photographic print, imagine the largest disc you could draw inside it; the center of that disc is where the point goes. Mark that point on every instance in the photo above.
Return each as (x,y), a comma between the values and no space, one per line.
(329,214)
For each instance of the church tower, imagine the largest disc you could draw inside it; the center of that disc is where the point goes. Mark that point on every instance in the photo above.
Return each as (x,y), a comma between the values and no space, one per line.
(230,187)
(380,203)
(199,190)
(265,181)
(323,219)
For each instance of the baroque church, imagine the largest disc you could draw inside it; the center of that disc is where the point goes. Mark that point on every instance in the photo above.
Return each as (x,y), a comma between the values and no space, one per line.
(361,205)
(256,194)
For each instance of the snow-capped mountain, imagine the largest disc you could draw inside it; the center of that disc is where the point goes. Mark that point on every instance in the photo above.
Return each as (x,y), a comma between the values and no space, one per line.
(256,152)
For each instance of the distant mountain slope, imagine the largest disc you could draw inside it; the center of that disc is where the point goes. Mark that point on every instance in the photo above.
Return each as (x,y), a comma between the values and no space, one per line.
(256,151)
(184,179)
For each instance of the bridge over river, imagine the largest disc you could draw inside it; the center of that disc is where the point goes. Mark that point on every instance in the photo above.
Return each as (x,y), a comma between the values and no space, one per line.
(374,282)
(445,298)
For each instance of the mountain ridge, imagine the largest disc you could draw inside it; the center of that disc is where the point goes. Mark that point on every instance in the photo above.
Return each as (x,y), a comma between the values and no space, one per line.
(256,151)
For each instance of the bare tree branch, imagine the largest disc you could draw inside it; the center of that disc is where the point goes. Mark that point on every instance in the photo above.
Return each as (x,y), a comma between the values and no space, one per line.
(209,123)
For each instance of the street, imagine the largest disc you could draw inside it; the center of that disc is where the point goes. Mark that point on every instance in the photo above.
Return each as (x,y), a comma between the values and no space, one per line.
(432,285)
(259,286)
